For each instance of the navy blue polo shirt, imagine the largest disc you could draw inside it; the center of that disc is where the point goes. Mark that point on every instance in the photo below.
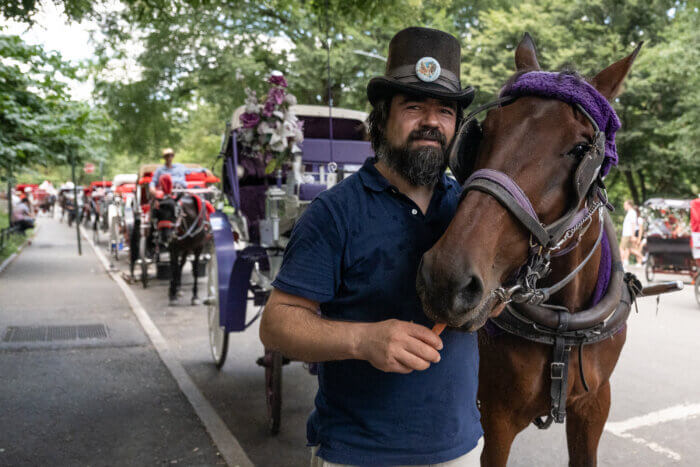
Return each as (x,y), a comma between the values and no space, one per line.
(356,250)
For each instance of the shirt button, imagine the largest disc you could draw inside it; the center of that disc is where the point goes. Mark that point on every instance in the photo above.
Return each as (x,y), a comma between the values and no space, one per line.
(414,211)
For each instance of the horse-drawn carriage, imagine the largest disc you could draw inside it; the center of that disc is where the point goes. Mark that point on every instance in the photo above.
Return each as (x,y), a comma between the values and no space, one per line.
(668,244)
(249,242)
(148,241)
(120,211)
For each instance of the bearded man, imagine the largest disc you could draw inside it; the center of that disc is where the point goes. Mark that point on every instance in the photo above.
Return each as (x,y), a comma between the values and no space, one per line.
(391,392)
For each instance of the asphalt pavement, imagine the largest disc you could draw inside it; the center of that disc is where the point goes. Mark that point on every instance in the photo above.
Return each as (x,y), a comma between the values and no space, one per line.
(80,383)
(654,419)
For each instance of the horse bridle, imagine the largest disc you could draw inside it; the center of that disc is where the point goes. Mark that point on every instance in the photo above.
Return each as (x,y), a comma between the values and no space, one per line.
(546,241)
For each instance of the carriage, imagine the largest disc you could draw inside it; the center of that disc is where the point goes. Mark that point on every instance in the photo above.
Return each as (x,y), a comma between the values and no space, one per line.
(669,242)
(251,233)
(145,246)
(120,211)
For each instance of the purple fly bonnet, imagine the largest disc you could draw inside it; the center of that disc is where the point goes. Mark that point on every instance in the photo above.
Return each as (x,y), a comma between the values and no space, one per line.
(572,90)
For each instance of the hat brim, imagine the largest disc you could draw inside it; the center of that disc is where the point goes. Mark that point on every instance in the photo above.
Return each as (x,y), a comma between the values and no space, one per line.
(381,87)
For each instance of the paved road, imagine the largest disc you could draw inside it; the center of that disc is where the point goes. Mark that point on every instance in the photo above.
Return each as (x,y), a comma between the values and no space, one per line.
(656,379)
(89,401)
(657,371)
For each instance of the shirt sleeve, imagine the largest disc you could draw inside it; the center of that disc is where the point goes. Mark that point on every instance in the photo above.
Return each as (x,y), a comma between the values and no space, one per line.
(154,179)
(312,259)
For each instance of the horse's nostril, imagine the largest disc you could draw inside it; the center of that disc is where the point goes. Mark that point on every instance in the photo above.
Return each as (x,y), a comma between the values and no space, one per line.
(471,293)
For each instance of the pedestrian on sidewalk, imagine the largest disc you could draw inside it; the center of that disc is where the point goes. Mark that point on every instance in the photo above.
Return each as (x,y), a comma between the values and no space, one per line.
(391,392)
(22,216)
(631,233)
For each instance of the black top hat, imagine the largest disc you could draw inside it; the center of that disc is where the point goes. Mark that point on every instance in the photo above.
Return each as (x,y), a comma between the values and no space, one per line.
(425,62)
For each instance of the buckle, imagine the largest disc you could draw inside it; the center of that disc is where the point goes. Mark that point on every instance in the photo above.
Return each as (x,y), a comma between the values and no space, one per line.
(556,370)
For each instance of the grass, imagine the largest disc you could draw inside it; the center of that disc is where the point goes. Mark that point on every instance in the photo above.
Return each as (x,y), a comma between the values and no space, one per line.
(14,241)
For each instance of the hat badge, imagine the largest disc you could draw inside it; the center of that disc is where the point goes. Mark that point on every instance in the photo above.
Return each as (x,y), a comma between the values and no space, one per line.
(428,69)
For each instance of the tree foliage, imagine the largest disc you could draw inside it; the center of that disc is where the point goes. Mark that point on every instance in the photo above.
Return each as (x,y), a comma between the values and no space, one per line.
(39,124)
(198,56)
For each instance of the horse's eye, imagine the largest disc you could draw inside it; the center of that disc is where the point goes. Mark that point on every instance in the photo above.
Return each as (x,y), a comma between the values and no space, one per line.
(580,150)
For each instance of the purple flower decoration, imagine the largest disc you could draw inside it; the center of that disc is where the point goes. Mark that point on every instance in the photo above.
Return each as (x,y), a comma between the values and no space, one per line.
(249,120)
(276,95)
(277,80)
(268,109)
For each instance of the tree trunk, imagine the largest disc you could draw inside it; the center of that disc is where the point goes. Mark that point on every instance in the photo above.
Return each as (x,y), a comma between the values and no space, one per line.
(642,185)
(631,184)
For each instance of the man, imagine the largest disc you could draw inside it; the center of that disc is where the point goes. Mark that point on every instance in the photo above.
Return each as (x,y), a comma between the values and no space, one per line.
(177,172)
(631,233)
(391,392)
(22,216)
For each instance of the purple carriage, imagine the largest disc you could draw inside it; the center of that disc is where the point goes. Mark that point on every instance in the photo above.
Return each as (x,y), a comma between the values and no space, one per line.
(249,242)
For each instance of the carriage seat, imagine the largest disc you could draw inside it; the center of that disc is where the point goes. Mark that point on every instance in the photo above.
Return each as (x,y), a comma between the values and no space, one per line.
(308,191)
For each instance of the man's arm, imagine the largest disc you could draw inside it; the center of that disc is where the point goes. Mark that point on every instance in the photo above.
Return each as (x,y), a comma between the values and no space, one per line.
(291,325)
(154,181)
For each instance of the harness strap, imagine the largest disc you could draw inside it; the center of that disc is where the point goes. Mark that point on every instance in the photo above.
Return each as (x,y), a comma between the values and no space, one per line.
(559,372)
(509,194)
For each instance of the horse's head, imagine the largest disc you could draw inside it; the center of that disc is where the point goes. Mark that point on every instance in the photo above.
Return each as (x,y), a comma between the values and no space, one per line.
(165,213)
(539,143)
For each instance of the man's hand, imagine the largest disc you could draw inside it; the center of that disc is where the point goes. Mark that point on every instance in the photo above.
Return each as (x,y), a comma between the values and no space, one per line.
(399,346)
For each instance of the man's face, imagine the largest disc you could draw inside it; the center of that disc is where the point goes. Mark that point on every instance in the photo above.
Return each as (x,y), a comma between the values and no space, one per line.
(417,134)
(626,206)
(169,159)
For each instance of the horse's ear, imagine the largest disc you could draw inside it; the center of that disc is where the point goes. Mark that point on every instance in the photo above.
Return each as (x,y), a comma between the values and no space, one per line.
(526,54)
(609,81)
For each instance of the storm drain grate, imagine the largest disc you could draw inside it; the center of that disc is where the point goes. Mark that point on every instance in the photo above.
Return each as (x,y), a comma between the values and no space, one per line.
(54,333)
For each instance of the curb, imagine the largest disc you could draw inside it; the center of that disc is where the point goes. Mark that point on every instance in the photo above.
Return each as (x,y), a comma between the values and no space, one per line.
(226,443)
(5,264)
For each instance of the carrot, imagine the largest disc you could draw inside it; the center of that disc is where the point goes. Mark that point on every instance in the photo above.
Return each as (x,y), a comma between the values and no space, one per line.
(438,328)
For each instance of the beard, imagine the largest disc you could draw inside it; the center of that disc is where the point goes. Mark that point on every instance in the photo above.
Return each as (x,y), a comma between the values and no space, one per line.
(420,166)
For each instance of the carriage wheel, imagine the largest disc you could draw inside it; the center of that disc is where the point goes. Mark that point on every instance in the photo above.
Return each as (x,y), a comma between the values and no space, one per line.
(218,337)
(649,270)
(273,389)
(144,262)
(697,289)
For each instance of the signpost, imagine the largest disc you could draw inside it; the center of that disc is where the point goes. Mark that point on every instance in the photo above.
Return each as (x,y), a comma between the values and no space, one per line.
(75,198)
(89,168)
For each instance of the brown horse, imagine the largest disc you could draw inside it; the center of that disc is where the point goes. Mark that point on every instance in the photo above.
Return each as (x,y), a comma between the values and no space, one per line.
(534,141)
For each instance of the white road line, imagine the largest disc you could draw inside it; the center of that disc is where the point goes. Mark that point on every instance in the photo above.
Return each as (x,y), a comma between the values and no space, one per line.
(677,412)
(228,445)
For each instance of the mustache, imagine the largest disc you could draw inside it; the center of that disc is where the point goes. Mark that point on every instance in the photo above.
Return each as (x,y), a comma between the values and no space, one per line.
(431,134)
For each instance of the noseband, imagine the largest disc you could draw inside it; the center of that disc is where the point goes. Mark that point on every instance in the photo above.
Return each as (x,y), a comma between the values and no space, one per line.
(546,241)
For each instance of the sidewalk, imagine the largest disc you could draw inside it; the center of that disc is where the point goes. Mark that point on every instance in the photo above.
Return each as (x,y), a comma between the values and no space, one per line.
(80,382)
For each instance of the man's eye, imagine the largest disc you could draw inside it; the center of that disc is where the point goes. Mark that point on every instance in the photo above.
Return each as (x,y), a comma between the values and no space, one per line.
(580,150)
(448,111)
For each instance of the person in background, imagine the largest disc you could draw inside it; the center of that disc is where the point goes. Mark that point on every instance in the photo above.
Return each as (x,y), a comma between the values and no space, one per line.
(22,216)
(176,171)
(631,233)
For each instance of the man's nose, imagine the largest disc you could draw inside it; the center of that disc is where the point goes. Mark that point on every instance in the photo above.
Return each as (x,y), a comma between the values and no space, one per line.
(430,118)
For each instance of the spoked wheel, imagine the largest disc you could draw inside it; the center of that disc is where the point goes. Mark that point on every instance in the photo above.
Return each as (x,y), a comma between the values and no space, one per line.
(144,261)
(218,337)
(649,270)
(273,389)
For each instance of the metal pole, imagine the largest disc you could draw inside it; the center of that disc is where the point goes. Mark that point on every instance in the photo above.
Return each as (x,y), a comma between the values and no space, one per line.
(75,203)
(9,198)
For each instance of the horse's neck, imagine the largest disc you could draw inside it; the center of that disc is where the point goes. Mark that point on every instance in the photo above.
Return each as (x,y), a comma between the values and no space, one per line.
(578,293)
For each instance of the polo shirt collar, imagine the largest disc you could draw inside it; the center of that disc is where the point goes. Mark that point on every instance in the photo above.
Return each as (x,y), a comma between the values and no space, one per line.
(375,181)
